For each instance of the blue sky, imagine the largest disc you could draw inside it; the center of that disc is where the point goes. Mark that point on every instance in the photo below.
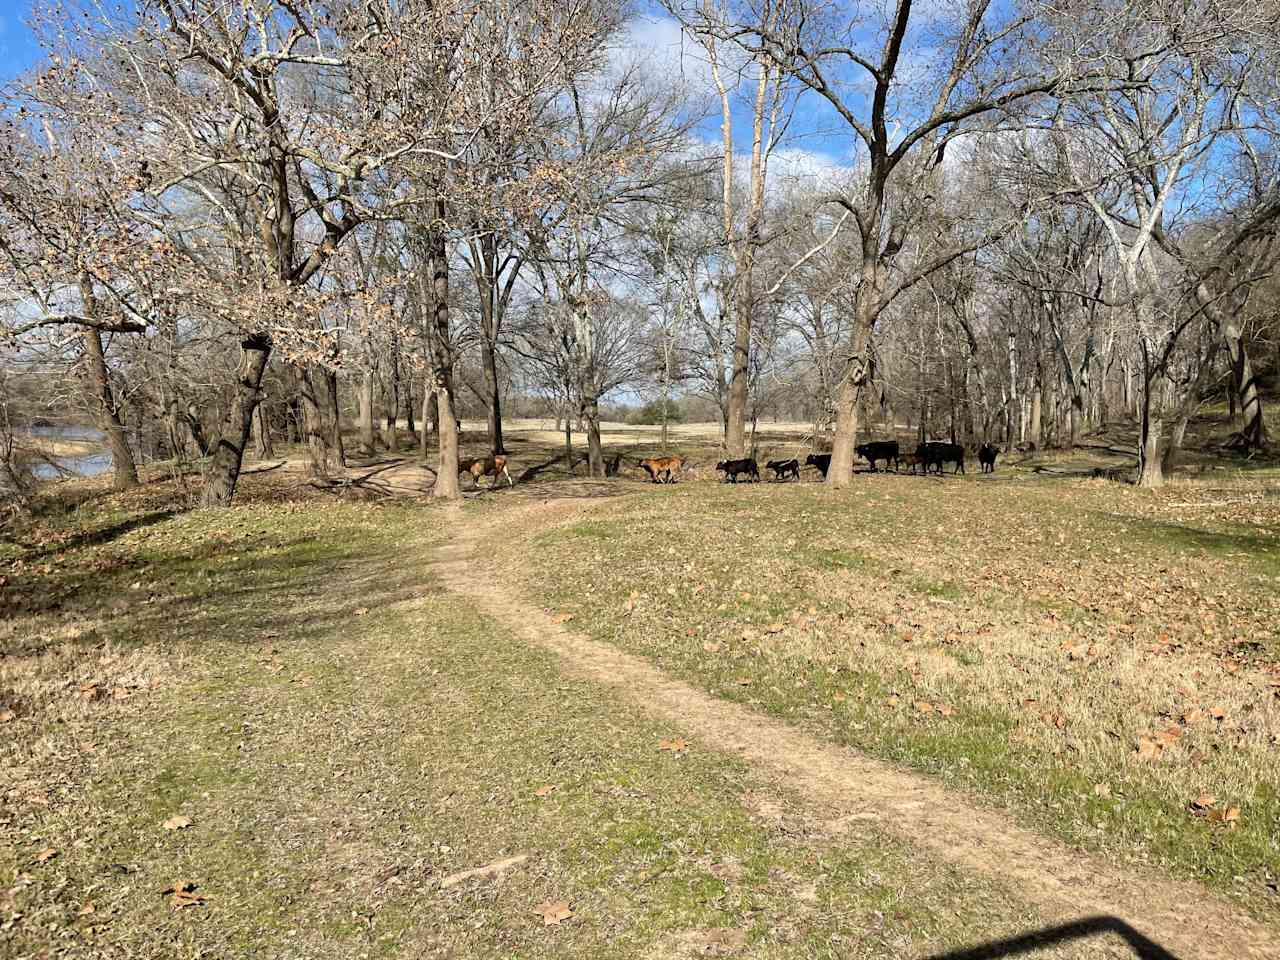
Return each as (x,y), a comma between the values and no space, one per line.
(17,48)
(654,37)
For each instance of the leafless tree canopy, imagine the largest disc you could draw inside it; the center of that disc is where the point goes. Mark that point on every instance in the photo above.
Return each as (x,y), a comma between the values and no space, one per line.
(223,221)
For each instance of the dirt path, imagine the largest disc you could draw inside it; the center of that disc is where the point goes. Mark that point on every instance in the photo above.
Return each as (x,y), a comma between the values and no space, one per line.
(1062,883)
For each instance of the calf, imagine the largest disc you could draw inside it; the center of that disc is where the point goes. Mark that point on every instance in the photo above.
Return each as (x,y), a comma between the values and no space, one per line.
(885,450)
(663,469)
(937,454)
(909,460)
(611,466)
(485,466)
(820,460)
(987,457)
(732,468)
(784,468)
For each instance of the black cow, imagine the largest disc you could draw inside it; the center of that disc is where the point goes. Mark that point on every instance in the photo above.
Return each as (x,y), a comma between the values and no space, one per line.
(885,450)
(937,454)
(820,460)
(732,468)
(784,468)
(987,457)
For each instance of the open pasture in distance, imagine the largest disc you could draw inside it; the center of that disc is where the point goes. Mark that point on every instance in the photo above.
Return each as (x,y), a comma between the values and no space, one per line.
(1103,662)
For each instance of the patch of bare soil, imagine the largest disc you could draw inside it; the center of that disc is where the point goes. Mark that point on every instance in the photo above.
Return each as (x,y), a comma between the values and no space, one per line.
(1062,883)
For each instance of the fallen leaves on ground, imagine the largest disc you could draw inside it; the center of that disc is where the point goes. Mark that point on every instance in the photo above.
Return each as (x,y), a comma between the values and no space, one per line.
(7,716)
(177,822)
(183,894)
(554,912)
(44,856)
(676,745)
(545,791)
(562,618)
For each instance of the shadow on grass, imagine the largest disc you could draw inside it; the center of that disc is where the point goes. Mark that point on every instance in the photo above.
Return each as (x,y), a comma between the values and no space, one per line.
(96,537)
(1143,947)
(1183,537)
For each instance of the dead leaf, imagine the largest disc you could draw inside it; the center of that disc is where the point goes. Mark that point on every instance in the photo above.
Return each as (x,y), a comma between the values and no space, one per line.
(744,681)
(1030,702)
(924,706)
(676,745)
(119,693)
(839,697)
(1194,715)
(630,603)
(946,710)
(1170,735)
(7,716)
(86,909)
(775,627)
(1148,749)
(891,700)
(361,611)
(88,691)
(553,913)
(177,822)
(1103,789)
(183,895)
(1229,817)
(711,647)
(562,618)
(44,856)
(1217,712)
(1205,801)
(544,790)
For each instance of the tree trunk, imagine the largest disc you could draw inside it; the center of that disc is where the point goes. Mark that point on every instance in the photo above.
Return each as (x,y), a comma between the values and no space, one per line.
(1150,451)
(102,400)
(311,393)
(493,391)
(367,435)
(595,455)
(262,432)
(1150,432)
(1035,426)
(1176,437)
(223,472)
(430,420)
(124,472)
(409,414)
(333,417)
(1254,431)
(446,485)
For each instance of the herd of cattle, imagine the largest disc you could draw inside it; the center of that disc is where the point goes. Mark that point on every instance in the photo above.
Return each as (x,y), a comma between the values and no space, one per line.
(667,469)
(927,456)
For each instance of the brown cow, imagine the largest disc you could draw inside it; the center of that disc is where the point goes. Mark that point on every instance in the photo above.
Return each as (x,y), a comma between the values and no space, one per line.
(485,466)
(661,469)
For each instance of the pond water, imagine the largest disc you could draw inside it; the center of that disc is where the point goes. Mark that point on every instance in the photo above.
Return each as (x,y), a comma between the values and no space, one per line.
(86,465)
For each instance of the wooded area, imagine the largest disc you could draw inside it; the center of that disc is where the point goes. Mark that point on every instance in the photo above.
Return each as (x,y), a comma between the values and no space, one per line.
(228,222)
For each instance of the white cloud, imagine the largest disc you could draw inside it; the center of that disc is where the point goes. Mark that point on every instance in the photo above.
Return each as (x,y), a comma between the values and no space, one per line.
(669,57)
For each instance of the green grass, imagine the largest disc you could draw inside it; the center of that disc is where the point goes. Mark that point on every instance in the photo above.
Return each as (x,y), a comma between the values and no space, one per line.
(1116,611)
(344,735)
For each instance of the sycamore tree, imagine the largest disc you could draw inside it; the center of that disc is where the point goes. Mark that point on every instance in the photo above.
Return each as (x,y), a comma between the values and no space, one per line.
(1154,155)
(904,83)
